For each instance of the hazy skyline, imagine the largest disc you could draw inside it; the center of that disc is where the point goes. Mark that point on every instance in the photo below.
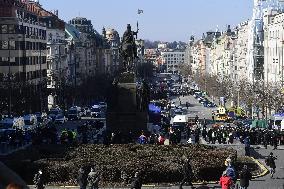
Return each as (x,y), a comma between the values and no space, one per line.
(165,20)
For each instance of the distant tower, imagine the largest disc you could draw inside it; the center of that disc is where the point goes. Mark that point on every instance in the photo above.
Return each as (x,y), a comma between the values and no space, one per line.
(255,43)
(104,32)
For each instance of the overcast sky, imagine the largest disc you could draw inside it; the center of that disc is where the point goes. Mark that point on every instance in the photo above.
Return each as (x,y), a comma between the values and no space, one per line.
(165,20)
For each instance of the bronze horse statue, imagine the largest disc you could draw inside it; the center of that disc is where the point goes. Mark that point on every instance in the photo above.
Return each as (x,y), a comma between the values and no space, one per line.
(127,55)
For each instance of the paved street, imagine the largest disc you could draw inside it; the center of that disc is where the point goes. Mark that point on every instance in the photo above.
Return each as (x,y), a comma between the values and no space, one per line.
(195,107)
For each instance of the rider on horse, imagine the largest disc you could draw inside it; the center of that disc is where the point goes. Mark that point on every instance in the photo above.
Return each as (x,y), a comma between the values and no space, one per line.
(128,46)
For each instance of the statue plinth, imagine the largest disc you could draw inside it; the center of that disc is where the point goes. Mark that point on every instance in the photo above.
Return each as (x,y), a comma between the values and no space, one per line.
(123,113)
(126,77)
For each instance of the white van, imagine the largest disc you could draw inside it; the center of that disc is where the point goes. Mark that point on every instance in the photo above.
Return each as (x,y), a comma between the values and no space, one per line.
(277,121)
(180,121)
(282,126)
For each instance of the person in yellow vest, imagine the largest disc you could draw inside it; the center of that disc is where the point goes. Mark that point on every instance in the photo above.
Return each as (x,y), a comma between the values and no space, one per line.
(74,134)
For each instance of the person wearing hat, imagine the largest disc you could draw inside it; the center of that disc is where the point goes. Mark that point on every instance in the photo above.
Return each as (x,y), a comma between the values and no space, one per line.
(270,161)
(38,180)
(187,173)
(245,177)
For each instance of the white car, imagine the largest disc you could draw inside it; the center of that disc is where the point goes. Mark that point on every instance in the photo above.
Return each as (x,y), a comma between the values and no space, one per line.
(60,119)
(103,105)
(96,111)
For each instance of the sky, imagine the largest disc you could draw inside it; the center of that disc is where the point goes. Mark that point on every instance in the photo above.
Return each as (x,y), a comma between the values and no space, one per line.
(164,20)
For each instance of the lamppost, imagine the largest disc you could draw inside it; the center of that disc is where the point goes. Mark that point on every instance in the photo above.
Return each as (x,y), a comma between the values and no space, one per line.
(9,77)
(40,75)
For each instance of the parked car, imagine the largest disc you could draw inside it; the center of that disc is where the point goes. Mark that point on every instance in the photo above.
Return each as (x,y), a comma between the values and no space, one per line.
(9,123)
(103,105)
(60,118)
(96,111)
(30,121)
(41,116)
(75,113)
(87,111)
(54,112)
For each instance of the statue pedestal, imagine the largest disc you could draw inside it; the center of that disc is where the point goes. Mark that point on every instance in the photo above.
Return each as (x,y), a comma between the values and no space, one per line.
(123,115)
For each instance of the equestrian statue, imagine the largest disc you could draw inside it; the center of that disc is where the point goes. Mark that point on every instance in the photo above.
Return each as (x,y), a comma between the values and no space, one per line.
(128,49)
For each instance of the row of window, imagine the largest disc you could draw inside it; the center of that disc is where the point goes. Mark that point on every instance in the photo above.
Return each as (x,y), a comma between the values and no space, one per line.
(22,45)
(174,59)
(22,76)
(173,62)
(20,61)
(173,55)
(171,66)
(20,29)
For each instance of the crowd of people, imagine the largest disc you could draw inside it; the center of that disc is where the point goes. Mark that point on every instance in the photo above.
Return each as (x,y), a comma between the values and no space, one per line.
(227,135)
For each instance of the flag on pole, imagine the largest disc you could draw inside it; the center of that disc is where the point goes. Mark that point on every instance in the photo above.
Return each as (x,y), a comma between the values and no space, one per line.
(140,11)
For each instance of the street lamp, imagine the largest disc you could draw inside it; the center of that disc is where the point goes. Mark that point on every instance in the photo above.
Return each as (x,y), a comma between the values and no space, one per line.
(9,77)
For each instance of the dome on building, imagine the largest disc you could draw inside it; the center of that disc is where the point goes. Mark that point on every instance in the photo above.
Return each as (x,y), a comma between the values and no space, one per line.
(111,31)
(112,34)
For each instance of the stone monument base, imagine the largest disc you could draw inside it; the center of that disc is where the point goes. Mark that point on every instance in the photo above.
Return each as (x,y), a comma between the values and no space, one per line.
(123,115)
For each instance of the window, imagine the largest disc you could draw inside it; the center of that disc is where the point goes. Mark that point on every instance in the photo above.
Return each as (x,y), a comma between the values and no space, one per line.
(4,59)
(12,45)
(4,45)
(4,29)
(27,30)
(11,28)
(12,59)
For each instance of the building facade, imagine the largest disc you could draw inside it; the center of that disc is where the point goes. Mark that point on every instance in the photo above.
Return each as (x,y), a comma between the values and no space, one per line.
(273,47)
(241,50)
(86,50)
(172,60)
(23,55)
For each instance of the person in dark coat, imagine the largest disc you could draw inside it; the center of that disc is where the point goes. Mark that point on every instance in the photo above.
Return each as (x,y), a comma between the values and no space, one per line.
(136,182)
(187,173)
(82,178)
(38,180)
(247,146)
(270,161)
(245,177)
